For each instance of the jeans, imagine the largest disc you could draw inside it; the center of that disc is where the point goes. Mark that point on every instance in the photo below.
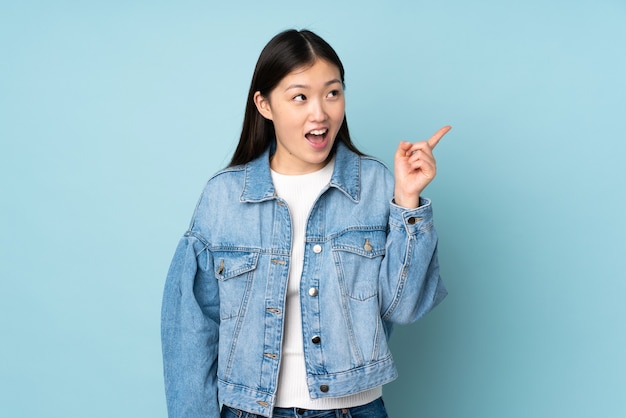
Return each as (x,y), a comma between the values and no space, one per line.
(374,409)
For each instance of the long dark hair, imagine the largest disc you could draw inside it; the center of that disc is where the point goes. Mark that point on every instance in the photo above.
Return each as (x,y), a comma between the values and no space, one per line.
(284,53)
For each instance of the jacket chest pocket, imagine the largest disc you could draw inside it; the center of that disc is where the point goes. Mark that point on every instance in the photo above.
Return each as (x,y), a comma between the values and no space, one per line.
(358,255)
(235,272)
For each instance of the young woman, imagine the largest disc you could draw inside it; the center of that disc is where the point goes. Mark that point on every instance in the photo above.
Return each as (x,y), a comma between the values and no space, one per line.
(300,256)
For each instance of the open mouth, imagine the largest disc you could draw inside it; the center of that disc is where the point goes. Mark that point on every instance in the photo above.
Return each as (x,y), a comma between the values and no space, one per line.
(317,136)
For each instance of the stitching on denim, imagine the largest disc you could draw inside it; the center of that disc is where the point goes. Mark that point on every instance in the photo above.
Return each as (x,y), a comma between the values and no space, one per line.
(402,280)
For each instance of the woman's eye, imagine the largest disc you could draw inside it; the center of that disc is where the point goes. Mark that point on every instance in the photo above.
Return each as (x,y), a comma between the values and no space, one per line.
(300,98)
(333,93)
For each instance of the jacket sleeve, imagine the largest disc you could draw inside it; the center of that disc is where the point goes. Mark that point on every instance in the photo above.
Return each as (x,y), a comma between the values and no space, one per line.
(410,285)
(189,332)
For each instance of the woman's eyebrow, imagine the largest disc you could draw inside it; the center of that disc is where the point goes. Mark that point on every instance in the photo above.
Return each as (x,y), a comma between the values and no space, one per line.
(306,86)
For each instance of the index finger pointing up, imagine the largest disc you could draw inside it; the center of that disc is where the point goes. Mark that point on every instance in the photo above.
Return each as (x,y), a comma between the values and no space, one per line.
(434,140)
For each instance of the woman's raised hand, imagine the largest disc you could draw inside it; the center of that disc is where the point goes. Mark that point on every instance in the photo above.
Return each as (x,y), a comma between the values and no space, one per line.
(414,168)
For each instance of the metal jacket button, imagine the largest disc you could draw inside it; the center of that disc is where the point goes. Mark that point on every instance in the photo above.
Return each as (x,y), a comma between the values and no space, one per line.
(317,248)
(324,388)
(313,292)
(413,220)
(316,339)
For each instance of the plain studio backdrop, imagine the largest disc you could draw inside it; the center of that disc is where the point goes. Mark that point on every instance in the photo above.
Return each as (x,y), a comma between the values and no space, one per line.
(114,114)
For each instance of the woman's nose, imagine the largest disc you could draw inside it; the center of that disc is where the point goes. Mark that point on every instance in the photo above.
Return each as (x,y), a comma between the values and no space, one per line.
(317,111)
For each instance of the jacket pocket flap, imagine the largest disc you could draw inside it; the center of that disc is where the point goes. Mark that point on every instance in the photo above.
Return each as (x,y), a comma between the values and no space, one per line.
(366,243)
(228,264)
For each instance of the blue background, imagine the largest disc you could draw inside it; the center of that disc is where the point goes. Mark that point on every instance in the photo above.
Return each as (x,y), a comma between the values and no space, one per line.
(113,115)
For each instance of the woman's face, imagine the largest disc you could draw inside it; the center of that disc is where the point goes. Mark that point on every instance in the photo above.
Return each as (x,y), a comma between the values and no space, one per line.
(307,108)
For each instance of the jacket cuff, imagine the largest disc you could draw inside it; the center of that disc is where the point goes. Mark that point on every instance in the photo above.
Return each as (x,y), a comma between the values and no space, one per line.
(413,220)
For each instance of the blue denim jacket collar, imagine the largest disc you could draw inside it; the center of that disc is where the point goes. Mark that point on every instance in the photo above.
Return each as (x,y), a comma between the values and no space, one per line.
(346,177)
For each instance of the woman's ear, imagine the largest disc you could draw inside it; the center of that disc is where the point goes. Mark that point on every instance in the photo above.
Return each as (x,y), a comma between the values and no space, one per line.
(263,105)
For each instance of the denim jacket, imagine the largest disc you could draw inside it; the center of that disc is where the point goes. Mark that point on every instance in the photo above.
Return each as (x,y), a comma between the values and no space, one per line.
(368,263)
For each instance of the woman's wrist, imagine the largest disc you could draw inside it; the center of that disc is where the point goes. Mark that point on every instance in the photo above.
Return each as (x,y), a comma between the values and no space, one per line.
(410,202)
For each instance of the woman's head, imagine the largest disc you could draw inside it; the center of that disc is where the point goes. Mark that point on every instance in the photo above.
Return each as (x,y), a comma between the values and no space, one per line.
(288,53)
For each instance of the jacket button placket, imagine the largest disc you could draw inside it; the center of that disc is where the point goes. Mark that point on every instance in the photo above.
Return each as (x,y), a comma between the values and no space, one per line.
(274,312)
(313,307)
